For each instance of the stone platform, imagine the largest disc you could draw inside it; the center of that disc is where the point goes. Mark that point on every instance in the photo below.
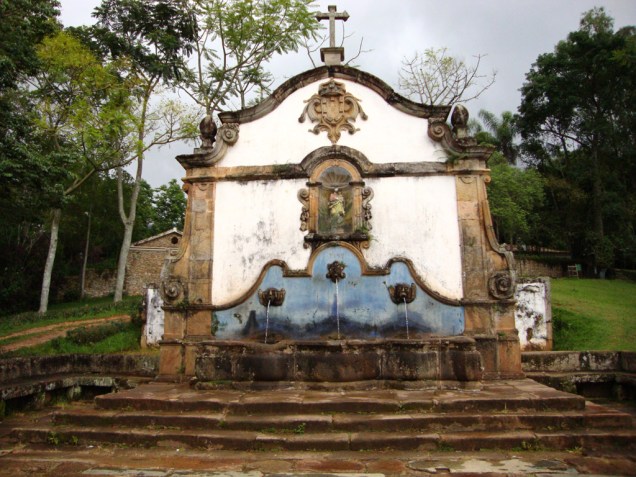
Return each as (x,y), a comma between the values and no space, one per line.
(519,414)
(450,359)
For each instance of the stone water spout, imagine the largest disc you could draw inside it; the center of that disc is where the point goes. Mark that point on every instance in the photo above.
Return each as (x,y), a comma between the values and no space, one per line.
(403,293)
(335,273)
(270,297)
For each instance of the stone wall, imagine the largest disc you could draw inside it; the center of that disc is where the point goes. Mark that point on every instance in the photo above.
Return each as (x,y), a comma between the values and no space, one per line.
(143,267)
(599,374)
(526,267)
(37,367)
(99,282)
(146,258)
(145,261)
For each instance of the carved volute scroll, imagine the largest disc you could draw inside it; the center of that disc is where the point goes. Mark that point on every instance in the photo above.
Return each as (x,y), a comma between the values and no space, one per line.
(333,109)
(336,205)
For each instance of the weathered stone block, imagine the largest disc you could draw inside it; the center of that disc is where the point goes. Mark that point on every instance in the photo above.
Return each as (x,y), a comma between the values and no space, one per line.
(171,359)
(198,323)
(189,359)
(509,357)
(410,365)
(265,367)
(173,325)
(466,188)
(468,209)
(628,361)
(478,318)
(337,366)
(200,269)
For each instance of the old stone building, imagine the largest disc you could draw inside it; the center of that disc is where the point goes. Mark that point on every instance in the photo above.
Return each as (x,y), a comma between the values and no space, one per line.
(146,258)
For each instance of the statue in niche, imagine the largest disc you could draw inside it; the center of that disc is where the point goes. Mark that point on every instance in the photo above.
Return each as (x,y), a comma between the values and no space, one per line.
(336,197)
(336,206)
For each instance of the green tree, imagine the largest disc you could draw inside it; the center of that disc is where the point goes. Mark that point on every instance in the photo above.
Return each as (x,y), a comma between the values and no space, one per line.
(236,39)
(500,132)
(437,78)
(81,110)
(578,122)
(97,197)
(515,197)
(27,178)
(169,204)
(147,40)
(150,39)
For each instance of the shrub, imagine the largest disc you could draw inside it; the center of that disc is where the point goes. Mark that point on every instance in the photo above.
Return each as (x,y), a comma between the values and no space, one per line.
(95,334)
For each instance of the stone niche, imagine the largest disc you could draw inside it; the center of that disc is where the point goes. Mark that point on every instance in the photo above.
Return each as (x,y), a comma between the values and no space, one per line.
(336,232)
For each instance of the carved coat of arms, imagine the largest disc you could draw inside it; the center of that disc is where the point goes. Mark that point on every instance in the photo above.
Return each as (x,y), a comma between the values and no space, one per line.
(333,109)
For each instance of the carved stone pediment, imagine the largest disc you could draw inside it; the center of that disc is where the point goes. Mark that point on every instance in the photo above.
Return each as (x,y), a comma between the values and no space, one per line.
(333,109)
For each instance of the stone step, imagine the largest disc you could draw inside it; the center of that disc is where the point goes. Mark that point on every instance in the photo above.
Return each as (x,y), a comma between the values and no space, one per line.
(330,441)
(594,417)
(496,397)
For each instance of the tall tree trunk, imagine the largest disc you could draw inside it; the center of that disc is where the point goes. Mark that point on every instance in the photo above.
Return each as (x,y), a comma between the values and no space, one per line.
(50,260)
(129,219)
(129,223)
(597,196)
(123,258)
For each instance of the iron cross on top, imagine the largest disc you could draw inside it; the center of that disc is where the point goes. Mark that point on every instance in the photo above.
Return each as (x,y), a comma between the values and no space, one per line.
(332,15)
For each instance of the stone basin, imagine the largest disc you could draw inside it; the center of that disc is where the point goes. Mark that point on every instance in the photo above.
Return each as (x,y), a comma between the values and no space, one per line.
(433,359)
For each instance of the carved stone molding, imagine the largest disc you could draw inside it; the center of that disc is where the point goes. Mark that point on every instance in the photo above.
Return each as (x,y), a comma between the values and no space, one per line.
(174,290)
(367,195)
(333,109)
(456,143)
(227,135)
(501,285)
(303,197)
(337,72)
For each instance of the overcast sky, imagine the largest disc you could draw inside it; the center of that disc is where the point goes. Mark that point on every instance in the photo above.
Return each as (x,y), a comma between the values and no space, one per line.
(510,33)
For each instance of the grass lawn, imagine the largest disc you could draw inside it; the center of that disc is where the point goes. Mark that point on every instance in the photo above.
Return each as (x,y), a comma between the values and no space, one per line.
(116,338)
(73,311)
(590,314)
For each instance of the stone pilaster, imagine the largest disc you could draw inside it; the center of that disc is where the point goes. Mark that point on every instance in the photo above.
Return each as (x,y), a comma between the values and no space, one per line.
(488,277)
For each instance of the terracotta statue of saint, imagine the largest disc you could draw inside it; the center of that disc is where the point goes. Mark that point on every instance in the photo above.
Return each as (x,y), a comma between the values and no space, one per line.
(336,204)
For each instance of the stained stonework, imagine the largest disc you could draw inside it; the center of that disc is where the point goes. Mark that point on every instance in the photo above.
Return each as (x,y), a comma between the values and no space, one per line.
(146,258)
(382,235)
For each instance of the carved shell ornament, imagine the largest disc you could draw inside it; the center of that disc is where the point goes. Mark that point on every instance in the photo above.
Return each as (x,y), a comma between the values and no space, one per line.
(333,109)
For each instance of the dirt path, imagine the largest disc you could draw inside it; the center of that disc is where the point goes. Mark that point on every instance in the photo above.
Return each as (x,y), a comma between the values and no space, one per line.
(50,332)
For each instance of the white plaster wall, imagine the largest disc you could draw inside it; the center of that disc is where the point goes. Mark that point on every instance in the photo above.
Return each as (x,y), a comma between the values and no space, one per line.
(255,222)
(154,327)
(532,312)
(413,217)
(388,135)
(416,217)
